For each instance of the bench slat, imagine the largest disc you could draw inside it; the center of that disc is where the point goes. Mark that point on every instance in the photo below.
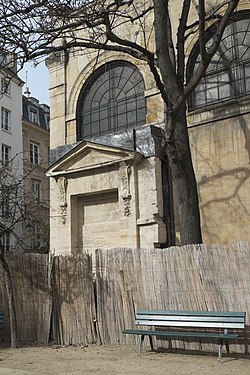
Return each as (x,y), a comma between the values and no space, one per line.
(192,313)
(191,318)
(190,324)
(182,334)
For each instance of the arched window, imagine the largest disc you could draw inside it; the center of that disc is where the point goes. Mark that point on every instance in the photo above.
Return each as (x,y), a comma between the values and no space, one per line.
(112,99)
(228,75)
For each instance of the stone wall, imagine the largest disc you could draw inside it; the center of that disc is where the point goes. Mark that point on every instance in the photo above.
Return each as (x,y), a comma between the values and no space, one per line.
(221,155)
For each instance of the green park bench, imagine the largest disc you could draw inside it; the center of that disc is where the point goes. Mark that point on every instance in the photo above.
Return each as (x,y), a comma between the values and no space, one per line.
(190,320)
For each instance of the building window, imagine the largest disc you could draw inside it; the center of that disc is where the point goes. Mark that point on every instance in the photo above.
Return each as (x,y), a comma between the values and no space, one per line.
(36,191)
(3,59)
(112,99)
(36,229)
(6,242)
(35,234)
(5,118)
(5,86)
(6,154)
(47,121)
(228,75)
(5,201)
(34,153)
(33,115)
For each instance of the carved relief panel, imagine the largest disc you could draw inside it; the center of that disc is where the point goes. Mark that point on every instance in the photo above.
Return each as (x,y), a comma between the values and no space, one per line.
(62,184)
(125,173)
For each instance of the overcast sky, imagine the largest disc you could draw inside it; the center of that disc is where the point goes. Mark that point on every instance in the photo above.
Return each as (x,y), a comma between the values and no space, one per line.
(38,81)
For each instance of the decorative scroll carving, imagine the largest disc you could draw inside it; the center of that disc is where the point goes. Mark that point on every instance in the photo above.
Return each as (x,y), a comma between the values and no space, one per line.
(125,172)
(62,185)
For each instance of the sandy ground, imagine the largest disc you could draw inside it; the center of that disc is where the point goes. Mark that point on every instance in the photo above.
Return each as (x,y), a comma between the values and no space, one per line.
(112,360)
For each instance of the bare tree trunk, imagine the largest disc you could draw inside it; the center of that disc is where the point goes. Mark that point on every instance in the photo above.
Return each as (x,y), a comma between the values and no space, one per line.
(10,295)
(176,132)
(184,181)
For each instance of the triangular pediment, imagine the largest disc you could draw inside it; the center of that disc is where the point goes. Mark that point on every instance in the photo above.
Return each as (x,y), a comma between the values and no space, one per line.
(89,156)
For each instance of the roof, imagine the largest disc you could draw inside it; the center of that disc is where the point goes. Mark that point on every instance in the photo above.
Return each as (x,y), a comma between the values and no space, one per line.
(43,110)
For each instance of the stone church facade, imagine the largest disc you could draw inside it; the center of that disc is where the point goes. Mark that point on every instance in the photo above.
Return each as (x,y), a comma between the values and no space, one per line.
(110,183)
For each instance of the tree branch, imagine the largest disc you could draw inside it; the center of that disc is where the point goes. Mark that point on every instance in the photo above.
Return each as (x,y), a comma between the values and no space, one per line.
(181,41)
(202,67)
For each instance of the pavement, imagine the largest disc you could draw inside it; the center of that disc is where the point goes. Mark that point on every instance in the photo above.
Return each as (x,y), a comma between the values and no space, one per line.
(11,371)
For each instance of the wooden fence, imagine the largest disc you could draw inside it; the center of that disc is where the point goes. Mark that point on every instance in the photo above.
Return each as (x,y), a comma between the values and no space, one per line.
(31,285)
(74,314)
(59,300)
(195,277)
(53,300)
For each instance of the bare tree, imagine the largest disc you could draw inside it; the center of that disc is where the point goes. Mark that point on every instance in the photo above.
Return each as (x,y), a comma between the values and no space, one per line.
(18,209)
(31,29)
(9,290)
(11,217)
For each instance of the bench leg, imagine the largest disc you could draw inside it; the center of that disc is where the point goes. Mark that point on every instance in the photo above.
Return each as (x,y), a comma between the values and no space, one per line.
(226,341)
(220,350)
(141,344)
(170,343)
(151,342)
(227,346)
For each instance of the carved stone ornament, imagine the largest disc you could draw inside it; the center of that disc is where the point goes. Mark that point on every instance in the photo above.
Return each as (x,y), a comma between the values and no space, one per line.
(62,185)
(125,173)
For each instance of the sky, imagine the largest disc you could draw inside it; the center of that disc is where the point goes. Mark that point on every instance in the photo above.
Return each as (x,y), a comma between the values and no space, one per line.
(38,81)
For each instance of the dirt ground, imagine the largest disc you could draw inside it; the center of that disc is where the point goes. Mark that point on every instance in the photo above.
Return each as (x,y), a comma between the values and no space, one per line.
(115,360)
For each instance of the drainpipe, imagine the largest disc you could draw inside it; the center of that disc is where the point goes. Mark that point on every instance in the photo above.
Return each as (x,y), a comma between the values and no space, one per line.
(65,61)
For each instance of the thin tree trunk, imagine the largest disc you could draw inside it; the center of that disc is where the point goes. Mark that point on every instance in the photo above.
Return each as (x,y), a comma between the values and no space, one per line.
(11,302)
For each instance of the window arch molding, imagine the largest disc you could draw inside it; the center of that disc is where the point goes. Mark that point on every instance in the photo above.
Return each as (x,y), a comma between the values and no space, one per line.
(228,75)
(111,99)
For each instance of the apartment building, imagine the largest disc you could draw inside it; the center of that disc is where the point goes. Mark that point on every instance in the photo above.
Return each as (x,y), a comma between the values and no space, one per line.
(10,139)
(35,133)
(24,188)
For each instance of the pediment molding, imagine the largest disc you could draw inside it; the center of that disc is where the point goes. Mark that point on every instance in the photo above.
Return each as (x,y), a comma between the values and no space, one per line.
(88,156)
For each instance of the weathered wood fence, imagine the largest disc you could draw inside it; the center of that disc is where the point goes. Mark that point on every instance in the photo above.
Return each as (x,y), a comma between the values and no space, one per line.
(62,300)
(74,313)
(31,285)
(53,299)
(191,277)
